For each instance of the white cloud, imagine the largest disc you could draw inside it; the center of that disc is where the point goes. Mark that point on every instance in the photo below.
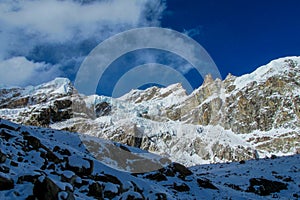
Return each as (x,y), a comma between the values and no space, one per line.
(185,68)
(58,21)
(194,31)
(18,71)
(29,27)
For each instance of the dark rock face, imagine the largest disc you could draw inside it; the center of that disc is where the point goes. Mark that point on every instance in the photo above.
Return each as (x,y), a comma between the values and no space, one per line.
(161,196)
(15,102)
(5,126)
(46,189)
(264,187)
(181,188)
(2,157)
(182,170)
(157,177)
(6,135)
(205,183)
(4,169)
(81,170)
(6,183)
(40,118)
(60,110)
(102,109)
(28,178)
(96,190)
(33,141)
(233,153)
(233,186)
(172,170)
(64,152)
(107,178)
(100,188)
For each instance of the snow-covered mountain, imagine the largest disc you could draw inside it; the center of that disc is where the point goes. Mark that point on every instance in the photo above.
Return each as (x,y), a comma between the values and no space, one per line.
(46,164)
(240,118)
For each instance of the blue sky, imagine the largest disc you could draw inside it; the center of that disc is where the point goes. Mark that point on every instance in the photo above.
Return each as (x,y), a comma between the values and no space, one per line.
(239,35)
(41,40)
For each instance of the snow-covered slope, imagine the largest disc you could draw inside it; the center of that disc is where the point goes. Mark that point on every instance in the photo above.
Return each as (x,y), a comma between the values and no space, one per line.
(240,118)
(49,164)
(46,164)
(274,68)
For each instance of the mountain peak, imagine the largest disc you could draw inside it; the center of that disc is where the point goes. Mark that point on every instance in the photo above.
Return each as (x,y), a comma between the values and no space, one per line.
(281,66)
(57,86)
(154,93)
(208,79)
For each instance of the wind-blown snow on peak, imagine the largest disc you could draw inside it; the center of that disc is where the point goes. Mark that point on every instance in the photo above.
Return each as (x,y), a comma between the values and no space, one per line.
(57,86)
(278,67)
(173,93)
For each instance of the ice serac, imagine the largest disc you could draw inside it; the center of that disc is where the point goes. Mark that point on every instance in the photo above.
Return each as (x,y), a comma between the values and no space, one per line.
(239,118)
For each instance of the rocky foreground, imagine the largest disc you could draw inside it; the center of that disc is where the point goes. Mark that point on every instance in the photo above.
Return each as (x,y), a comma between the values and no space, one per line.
(42,163)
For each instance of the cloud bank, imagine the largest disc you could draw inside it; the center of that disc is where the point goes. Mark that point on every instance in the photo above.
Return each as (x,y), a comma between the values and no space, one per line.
(18,71)
(54,35)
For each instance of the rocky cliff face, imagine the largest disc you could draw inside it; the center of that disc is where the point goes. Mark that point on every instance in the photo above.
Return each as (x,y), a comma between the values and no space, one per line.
(239,118)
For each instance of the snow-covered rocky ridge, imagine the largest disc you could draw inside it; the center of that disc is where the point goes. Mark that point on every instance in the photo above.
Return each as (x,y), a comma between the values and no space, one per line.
(240,118)
(47,164)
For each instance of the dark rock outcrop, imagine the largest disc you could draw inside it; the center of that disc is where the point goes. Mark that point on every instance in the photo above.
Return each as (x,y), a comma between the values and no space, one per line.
(6,183)
(264,187)
(205,183)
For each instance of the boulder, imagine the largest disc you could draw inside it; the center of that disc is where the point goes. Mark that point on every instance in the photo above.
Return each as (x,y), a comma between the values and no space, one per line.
(6,183)
(205,183)
(46,189)
(264,187)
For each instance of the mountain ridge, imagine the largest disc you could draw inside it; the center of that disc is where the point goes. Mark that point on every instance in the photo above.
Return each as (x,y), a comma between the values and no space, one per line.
(239,118)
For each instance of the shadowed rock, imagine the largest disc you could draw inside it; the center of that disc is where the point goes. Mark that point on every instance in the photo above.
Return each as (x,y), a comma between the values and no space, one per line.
(264,187)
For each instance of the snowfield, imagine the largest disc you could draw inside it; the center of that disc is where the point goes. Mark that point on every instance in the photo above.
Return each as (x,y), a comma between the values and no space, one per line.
(51,164)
